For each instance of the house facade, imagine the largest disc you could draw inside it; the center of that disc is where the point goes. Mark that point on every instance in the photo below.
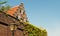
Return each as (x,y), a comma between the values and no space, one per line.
(18,12)
(13,15)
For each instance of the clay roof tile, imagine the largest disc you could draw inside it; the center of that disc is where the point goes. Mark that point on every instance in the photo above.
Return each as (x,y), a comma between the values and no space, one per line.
(11,11)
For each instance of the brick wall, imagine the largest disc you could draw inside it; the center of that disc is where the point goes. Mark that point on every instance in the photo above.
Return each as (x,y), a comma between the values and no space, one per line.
(5,21)
(5,31)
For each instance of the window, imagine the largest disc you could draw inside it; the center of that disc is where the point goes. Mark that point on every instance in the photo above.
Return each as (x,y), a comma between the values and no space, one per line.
(24,20)
(19,17)
(22,11)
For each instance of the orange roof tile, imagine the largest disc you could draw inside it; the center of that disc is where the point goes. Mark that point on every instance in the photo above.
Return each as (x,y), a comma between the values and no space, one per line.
(11,11)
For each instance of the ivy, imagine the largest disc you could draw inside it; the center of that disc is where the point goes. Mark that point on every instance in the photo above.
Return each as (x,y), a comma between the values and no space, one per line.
(34,31)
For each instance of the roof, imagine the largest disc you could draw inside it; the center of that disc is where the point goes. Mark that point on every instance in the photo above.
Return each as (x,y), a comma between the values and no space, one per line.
(11,11)
(15,11)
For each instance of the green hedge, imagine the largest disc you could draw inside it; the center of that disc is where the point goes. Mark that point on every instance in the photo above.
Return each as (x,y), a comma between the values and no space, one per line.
(34,31)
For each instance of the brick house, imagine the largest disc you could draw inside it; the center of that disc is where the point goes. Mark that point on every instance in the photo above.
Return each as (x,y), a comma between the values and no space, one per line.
(13,15)
(18,12)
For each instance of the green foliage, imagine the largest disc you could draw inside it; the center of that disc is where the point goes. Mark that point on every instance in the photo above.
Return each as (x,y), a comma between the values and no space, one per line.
(34,31)
(5,8)
(3,2)
(3,5)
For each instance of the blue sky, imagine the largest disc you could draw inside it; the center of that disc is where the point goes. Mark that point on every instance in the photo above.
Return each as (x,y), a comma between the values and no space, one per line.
(42,13)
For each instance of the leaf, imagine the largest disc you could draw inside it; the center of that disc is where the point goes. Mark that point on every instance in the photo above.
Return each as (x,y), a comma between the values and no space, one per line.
(3,2)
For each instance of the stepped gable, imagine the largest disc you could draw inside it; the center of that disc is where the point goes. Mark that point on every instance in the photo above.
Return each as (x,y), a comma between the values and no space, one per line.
(18,12)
